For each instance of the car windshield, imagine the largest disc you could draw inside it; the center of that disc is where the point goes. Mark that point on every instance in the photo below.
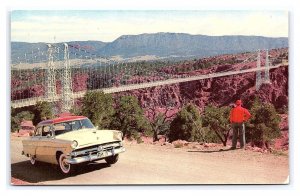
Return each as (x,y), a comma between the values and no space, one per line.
(74,125)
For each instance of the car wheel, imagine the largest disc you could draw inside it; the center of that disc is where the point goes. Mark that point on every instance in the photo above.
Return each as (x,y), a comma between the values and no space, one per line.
(33,161)
(64,167)
(112,159)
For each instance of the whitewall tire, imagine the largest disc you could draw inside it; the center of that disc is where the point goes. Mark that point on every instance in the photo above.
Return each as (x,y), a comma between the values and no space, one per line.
(32,159)
(64,167)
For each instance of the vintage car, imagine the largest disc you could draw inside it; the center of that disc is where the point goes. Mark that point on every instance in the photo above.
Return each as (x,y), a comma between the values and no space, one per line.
(71,140)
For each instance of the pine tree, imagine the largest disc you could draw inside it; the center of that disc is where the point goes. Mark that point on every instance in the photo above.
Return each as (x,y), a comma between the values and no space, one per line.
(129,117)
(42,111)
(264,123)
(186,125)
(18,117)
(98,107)
(217,120)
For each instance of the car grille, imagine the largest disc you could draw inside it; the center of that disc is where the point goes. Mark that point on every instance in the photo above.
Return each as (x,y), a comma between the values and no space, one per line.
(95,149)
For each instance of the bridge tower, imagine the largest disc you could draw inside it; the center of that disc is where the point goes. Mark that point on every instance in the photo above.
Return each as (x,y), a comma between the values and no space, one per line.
(50,76)
(67,92)
(267,65)
(258,73)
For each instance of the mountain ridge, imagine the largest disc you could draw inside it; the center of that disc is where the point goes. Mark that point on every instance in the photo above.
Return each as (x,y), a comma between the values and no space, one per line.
(162,45)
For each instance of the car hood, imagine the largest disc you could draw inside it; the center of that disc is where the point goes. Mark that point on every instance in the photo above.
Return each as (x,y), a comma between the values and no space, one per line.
(89,137)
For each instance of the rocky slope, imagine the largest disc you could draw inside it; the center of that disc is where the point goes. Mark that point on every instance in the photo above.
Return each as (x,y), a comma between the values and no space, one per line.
(218,91)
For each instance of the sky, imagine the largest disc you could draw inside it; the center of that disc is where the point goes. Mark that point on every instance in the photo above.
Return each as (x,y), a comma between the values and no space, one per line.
(62,25)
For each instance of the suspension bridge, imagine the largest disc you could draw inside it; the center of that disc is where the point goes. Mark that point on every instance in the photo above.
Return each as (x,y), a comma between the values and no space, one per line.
(57,65)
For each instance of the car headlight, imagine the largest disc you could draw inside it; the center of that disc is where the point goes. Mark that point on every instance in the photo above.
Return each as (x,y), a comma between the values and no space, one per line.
(118,135)
(74,154)
(74,144)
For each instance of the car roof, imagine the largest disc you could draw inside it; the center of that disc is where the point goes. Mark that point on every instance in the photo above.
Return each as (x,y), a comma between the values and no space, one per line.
(61,119)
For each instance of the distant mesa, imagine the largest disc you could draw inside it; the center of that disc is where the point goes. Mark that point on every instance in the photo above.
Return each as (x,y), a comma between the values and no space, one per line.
(159,45)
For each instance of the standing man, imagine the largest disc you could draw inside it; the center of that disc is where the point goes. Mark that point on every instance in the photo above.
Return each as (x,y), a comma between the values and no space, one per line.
(238,116)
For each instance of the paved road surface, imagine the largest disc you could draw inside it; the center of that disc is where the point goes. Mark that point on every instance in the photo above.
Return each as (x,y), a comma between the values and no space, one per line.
(153,164)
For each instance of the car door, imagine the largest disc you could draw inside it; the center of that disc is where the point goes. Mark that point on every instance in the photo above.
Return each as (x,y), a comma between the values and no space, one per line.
(44,150)
(31,144)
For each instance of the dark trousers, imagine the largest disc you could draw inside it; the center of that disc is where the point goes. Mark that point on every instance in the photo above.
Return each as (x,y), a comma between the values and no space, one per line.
(237,132)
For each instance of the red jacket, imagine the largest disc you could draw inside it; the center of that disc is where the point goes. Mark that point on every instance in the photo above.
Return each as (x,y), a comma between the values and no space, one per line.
(239,115)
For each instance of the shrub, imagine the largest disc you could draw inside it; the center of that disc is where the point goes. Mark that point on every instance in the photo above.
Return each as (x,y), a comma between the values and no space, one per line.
(210,136)
(18,117)
(98,107)
(137,137)
(186,125)
(217,121)
(159,125)
(129,117)
(178,144)
(264,123)
(148,133)
(42,111)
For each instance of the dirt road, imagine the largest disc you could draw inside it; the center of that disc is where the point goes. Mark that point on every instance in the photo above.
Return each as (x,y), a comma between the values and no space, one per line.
(153,164)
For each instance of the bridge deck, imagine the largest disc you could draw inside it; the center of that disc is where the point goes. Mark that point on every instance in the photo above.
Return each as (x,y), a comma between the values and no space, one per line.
(33,101)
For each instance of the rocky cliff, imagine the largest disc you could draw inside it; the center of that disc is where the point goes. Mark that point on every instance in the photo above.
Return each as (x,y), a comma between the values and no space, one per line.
(220,91)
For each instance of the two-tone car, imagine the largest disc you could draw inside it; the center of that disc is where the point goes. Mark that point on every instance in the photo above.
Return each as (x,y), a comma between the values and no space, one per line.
(71,140)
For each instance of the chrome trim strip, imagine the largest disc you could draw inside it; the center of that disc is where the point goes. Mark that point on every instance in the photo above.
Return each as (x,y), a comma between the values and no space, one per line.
(96,156)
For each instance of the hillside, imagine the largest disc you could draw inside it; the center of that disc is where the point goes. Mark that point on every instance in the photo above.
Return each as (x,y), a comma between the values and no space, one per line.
(37,52)
(179,44)
(157,44)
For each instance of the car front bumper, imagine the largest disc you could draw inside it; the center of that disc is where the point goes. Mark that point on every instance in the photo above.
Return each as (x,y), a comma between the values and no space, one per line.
(95,156)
